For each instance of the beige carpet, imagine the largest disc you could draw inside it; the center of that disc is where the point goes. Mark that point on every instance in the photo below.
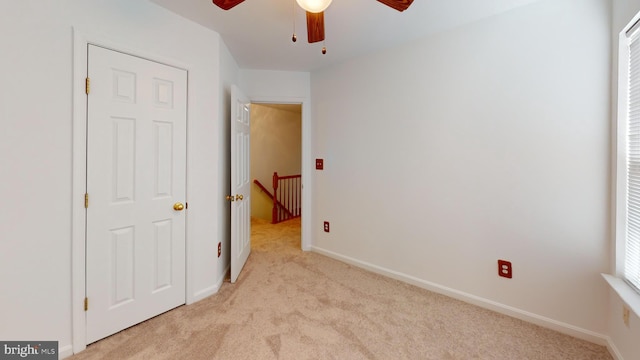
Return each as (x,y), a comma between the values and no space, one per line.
(289,304)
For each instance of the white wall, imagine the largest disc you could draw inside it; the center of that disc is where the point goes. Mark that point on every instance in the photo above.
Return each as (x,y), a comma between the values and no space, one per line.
(276,146)
(271,86)
(623,338)
(486,142)
(36,144)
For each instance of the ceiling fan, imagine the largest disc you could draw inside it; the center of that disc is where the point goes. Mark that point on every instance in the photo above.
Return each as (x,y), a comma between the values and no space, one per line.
(315,13)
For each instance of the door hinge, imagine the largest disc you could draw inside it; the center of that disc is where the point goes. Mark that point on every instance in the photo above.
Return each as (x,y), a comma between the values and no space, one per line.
(86,200)
(86,304)
(87,85)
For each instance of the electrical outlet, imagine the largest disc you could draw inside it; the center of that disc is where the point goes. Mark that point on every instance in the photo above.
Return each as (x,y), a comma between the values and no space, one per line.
(504,269)
(625,315)
(326,226)
(319,164)
(219,249)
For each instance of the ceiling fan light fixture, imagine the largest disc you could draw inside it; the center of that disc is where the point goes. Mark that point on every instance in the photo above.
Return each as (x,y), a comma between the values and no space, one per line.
(314,6)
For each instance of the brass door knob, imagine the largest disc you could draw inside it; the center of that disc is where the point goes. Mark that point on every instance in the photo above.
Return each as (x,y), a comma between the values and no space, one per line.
(239,197)
(230,198)
(178,206)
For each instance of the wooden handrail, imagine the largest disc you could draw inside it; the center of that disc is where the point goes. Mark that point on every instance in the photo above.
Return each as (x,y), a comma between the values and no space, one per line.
(270,195)
(263,188)
(288,177)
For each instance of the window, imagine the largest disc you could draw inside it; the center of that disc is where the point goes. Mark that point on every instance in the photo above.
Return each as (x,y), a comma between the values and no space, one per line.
(628,163)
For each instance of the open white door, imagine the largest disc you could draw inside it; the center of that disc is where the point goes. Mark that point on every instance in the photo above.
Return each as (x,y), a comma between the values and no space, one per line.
(136,181)
(240,182)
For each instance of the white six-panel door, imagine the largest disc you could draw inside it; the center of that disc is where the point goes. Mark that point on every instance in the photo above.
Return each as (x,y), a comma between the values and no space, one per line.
(240,182)
(136,181)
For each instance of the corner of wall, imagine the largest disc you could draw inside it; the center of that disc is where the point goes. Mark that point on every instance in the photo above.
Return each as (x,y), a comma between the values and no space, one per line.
(229,75)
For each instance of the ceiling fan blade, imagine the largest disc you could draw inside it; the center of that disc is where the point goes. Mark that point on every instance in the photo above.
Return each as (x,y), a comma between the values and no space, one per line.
(315,27)
(227,4)
(400,5)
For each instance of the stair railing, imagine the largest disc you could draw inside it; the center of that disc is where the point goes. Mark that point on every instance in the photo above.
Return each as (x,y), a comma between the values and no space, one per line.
(269,194)
(287,197)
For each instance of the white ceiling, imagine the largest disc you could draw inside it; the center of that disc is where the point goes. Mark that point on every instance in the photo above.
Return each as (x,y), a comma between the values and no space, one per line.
(258,32)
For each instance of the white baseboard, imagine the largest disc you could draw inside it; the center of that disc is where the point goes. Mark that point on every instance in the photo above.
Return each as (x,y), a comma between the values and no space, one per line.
(543,321)
(65,351)
(613,350)
(206,292)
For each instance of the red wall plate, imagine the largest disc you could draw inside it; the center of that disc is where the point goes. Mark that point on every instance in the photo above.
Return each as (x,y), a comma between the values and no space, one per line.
(504,269)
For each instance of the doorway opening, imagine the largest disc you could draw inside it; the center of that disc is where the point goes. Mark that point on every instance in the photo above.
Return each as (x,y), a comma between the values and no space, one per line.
(276,148)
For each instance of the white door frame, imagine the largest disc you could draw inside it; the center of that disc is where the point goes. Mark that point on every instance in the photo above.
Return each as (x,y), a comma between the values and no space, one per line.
(307,162)
(81,40)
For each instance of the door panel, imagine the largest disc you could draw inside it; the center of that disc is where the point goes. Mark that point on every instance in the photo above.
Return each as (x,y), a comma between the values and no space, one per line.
(163,162)
(162,234)
(123,159)
(136,171)
(120,260)
(240,182)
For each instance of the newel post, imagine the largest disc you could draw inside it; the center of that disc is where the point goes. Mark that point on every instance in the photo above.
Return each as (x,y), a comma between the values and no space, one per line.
(274,211)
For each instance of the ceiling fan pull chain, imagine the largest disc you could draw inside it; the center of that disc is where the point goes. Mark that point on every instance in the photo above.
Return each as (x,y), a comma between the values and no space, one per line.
(294,38)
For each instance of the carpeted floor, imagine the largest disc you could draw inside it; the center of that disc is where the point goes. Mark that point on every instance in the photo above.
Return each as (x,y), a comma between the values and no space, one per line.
(290,304)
